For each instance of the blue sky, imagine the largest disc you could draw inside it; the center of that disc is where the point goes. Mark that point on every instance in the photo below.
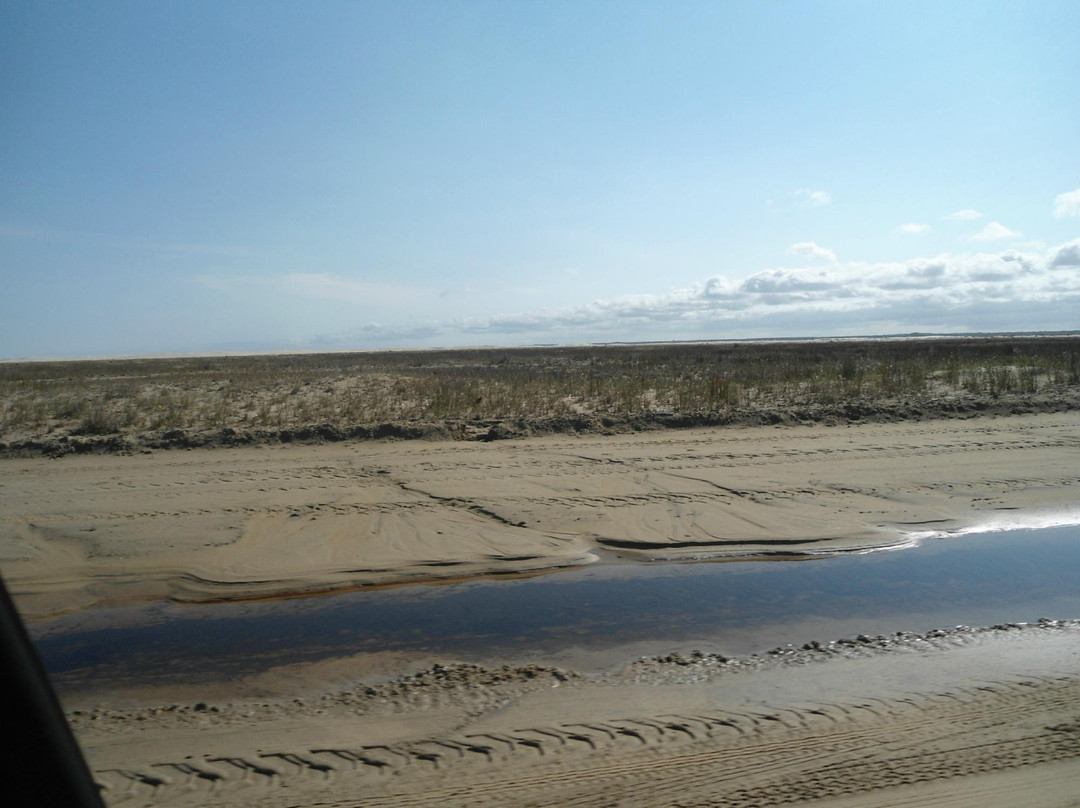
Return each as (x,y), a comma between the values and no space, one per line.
(189,177)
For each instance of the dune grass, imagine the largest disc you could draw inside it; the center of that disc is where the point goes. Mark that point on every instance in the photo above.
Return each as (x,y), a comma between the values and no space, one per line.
(102,397)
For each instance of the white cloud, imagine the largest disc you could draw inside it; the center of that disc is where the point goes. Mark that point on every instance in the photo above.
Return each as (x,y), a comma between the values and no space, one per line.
(965,215)
(1008,290)
(814,199)
(808,249)
(995,231)
(1067,255)
(914,227)
(1067,204)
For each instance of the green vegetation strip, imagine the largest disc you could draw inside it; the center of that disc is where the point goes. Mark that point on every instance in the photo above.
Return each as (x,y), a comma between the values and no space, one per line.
(491,393)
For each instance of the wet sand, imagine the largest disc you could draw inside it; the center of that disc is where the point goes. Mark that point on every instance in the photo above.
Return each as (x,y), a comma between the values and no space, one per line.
(951,718)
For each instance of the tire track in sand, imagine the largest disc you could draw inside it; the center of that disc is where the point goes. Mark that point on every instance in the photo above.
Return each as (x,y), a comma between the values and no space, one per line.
(742,759)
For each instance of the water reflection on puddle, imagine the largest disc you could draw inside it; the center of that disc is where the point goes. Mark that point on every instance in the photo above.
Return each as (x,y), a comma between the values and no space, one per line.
(573,616)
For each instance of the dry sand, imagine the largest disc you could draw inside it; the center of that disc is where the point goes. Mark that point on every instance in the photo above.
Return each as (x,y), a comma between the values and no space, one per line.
(964,718)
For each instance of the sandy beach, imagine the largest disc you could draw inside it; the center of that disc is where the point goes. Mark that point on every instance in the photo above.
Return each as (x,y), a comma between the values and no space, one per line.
(969,717)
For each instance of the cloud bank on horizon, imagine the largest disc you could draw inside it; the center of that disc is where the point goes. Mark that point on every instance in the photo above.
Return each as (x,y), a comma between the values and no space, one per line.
(946,293)
(1033,288)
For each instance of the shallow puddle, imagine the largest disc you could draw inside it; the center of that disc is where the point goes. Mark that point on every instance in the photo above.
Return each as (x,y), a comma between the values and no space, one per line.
(592,616)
